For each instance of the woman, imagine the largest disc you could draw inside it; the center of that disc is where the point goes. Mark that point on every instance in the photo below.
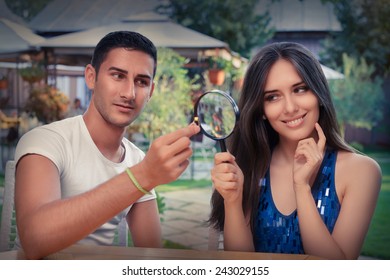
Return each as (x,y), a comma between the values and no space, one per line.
(289,183)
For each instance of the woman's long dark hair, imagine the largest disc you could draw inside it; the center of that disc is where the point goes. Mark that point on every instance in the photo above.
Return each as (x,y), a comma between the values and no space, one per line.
(254,139)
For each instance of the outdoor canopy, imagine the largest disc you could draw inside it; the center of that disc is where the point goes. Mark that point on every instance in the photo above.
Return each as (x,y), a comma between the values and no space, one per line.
(158,28)
(16,38)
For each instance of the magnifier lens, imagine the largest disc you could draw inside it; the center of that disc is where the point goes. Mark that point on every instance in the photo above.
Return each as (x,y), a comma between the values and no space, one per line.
(217,114)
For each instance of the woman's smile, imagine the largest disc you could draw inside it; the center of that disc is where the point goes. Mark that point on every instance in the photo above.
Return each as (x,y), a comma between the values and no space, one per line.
(294,122)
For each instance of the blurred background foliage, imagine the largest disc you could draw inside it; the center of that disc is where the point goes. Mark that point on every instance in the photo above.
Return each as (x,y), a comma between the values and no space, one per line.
(234,22)
(365,34)
(170,107)
(26,9)
(359,97)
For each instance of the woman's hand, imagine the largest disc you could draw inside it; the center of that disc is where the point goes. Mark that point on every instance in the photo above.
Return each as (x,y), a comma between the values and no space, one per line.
(227,178)
(308,158)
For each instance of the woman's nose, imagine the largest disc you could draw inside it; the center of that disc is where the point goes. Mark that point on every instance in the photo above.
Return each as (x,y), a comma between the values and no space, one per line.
(290,105)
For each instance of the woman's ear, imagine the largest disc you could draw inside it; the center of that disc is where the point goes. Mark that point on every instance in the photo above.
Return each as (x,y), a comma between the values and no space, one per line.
(90,76)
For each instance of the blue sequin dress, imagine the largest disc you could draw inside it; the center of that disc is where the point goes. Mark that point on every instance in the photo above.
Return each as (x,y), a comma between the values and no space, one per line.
(278,233)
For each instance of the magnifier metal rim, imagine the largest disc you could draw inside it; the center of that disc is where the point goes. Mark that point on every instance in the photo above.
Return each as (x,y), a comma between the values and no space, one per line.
(232,102)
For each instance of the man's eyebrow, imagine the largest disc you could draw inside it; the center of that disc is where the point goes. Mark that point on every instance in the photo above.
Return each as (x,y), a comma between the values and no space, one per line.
(112,68)
(144,76)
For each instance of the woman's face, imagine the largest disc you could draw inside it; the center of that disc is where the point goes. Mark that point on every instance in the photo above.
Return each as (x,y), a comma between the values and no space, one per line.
(290,106)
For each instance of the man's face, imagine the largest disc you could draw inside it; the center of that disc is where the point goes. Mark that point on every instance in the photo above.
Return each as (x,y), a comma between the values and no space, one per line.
(123,85)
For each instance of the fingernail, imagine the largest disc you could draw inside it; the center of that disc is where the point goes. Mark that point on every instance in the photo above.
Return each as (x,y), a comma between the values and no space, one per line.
(193,123)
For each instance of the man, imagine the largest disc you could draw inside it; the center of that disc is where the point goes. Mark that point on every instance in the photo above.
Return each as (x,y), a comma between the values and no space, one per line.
(76,178)
(76,109)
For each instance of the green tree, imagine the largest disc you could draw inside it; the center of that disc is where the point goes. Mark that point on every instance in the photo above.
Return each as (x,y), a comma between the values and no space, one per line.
(358,97)
(234,22)
(26,9)
(171,103)
(365,33)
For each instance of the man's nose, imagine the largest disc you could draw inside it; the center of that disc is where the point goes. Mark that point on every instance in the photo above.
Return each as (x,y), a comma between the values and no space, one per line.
(128,91)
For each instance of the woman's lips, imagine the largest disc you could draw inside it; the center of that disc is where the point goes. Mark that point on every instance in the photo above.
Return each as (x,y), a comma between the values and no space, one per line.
(294,122)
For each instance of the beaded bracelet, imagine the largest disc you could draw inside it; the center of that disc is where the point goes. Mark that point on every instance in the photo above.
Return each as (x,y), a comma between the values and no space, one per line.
(135,182)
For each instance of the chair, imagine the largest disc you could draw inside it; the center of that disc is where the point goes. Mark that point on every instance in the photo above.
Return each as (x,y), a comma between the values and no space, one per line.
(215,240)
(206,147)
(123,233)
(8,219)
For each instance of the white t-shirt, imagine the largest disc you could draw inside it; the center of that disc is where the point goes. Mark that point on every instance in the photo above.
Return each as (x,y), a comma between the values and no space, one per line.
(81,166)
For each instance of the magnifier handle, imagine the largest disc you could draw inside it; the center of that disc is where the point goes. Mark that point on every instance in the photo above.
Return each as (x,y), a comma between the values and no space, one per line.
(222,145)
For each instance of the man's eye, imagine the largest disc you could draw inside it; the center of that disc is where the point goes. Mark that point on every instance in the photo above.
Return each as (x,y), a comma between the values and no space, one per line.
(142,82)
(118,76)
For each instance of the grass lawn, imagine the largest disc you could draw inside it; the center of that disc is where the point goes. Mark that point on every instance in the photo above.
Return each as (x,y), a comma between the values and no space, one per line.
(183,185)
(377,243)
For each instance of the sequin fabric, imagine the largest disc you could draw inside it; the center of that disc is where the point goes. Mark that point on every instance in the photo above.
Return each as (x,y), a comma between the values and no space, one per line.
(278,233)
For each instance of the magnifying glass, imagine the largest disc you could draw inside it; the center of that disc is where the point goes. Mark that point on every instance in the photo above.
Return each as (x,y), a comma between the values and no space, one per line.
(216,113)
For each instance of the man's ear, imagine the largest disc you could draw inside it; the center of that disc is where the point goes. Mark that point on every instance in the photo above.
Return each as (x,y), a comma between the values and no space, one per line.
(151,91)
(90,76)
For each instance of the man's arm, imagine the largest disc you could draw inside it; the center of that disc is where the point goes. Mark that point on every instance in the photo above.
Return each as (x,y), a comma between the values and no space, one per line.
(144,218)
(47,223)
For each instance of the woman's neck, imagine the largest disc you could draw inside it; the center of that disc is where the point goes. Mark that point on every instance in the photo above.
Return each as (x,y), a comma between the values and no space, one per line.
(284,151)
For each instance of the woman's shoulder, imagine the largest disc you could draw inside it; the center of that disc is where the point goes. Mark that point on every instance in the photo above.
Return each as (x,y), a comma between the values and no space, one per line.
(357,160)
(356,167)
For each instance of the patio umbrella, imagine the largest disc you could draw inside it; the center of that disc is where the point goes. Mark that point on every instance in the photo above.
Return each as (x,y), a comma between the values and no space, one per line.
(16,38)
(16,41)
(162,31)
(331,74)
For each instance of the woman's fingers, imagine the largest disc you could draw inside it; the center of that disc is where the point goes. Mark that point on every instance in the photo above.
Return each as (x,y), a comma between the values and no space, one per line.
(321,138)
(308,157)
(223,158)
(227,177)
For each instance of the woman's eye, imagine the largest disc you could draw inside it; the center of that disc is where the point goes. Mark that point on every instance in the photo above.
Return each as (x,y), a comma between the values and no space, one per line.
(270,97)
(301,89)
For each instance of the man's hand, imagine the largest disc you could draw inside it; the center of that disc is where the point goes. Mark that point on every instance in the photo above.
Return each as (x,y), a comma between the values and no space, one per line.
(167,158)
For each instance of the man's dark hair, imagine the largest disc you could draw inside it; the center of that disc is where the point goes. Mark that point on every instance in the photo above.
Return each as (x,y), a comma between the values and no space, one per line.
(123,39)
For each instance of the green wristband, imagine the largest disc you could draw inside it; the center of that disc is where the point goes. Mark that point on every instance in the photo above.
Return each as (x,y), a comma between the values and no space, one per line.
(135,182)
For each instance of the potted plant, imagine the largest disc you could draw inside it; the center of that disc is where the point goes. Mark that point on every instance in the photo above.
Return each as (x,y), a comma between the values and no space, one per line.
(47,103)
(34,73)
(217,67)
(238,76)
(3,82)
